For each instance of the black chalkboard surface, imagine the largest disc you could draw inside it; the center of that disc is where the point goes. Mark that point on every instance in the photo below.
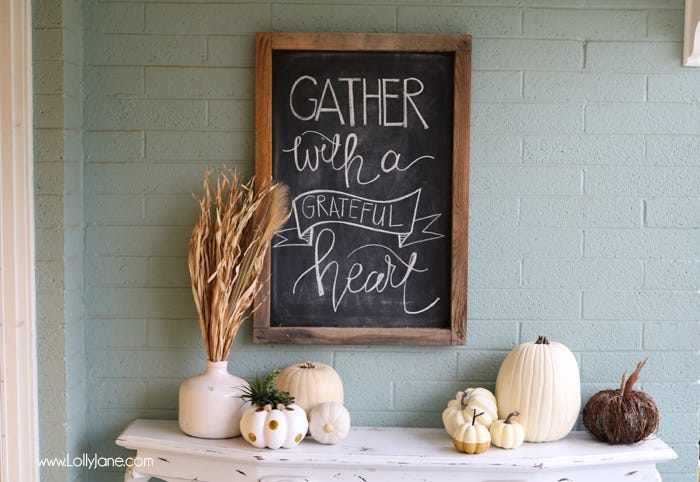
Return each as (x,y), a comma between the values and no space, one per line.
(372,150)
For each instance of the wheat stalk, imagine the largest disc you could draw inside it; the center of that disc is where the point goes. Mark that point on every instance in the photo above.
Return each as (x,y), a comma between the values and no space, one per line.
(227,249)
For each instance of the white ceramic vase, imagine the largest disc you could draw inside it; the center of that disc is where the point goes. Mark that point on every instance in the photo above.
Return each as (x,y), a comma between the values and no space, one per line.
(210,404)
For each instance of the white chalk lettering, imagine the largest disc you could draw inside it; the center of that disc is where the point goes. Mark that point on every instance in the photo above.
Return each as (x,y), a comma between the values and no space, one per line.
(312,100)
(396,100)
(393,273)
(311,149)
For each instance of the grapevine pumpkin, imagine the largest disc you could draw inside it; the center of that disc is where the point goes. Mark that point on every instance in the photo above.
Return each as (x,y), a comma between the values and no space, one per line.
(507,434)
(329,422)
(540,380)
(273,421)
(624,415)
(311,383)
(472,437)
(460,410)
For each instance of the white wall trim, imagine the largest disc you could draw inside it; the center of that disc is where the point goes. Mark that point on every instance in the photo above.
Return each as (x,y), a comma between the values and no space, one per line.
(18,376)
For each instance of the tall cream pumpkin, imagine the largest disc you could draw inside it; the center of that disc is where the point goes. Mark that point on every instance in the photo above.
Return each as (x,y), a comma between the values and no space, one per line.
(311,383)
(541,381)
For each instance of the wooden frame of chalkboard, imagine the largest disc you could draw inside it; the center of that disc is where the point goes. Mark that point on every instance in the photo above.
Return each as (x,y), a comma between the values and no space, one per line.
(371,133)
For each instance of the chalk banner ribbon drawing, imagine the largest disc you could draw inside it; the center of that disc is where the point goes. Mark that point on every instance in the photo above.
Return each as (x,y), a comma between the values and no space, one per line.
(323,206)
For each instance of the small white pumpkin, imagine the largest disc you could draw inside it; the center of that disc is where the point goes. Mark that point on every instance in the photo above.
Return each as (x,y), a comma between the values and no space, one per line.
(540,380)
(472,438)
(329,422)
(460,410)
(507,434)
(274,427)
(311,383)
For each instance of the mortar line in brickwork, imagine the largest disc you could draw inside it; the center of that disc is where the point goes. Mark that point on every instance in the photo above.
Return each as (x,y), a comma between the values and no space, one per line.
(522,21)
(646,91)
(269,16)
(521,152)
(521,281)
(580,313)
(646,25)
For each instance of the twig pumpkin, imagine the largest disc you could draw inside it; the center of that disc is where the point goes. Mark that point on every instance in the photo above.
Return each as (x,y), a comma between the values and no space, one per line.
(624,415)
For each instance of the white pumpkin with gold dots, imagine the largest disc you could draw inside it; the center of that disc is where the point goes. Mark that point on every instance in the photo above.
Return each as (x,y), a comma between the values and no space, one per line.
(273,421)
(283,426)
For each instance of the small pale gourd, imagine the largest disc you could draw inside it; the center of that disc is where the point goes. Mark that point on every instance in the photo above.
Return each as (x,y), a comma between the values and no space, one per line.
(311,383)
(460,410)
(540,380)
(472,438)
(507,434)
(329,422)
(274,427)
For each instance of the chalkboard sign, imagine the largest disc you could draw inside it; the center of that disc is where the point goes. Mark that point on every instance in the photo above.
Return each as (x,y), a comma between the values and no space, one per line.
(371,134)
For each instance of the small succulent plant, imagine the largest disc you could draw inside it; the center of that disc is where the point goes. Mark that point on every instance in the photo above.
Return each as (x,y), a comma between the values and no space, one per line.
(263,392)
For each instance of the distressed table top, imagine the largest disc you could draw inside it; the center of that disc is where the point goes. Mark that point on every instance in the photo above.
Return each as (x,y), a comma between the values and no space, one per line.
(397,446)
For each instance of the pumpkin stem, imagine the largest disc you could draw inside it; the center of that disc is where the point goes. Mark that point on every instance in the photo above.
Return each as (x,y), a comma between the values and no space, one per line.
(476,415)
(307,364)
(624,380)
(542,340)
(510,415)
(627,386)
(465,399)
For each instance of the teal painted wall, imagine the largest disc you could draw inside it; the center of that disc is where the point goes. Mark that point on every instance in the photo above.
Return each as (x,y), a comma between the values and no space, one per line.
(584,209)
(60,249)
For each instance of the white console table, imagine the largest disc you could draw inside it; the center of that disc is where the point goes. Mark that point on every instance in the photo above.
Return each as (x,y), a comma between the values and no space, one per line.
(373,454)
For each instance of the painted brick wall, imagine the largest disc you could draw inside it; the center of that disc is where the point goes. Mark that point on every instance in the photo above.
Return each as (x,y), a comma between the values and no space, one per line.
(58,122)
(584,219)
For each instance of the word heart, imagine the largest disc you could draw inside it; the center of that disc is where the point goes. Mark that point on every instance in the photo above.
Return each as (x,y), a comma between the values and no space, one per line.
(395,274)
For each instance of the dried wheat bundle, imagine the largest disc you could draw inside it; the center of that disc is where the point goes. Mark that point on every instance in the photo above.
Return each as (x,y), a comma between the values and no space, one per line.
(227,248)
